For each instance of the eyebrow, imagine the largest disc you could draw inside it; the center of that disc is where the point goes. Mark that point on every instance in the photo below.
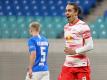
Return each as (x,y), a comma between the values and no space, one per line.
(68,9)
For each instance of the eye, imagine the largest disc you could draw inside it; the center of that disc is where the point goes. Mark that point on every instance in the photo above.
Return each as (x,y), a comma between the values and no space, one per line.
(68,10)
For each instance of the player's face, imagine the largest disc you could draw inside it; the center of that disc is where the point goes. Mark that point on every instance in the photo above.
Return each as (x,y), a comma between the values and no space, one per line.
(70,12)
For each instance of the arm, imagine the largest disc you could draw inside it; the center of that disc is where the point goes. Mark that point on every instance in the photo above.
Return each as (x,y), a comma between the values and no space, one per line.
(32,56)
(87,40)
(87,46)
(88,43)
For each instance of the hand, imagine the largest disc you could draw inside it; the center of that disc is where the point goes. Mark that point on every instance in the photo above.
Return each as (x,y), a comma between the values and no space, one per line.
(30,72)
(69,51)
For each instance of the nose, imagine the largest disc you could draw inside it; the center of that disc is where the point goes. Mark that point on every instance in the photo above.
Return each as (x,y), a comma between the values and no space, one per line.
(66,13)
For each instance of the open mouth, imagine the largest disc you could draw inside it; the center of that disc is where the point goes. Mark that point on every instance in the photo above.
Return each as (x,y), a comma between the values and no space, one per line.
(68,16)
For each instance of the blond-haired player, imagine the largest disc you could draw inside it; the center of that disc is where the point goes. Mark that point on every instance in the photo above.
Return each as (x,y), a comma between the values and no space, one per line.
(38,53)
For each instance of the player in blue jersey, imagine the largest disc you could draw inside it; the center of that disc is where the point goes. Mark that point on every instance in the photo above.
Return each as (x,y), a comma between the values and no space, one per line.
(38,53)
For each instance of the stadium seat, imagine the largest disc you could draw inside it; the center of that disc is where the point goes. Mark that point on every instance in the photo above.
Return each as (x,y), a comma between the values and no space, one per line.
(103,31)
(0,33)
(5,30)
(94,31)
(99,28)
(47,26)
(16,15)
(33,8)
(3,19)
(20,19)
(58,23)
(28,20)
(11,21)
(103,34)
(105,21)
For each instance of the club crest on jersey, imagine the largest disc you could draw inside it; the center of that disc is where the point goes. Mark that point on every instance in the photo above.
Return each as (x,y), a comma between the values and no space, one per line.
(68,38)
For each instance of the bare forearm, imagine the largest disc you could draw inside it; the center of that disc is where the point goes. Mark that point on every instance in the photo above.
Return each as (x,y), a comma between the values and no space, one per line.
(31,60)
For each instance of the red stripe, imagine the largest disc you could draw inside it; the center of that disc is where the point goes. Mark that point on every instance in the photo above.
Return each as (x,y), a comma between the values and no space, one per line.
(79,56)
(86,32)
(87,37)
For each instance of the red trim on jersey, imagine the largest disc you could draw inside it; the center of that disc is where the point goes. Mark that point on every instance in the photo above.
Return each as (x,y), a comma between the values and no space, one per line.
(79,56)
(71,24)
(86,34)
(86,31)
(87,37)
(73,45)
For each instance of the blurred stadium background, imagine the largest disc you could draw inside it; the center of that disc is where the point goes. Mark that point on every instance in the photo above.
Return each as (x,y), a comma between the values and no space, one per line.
(15,16)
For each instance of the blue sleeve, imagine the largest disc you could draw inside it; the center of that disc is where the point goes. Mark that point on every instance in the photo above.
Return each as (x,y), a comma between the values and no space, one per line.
(31,46)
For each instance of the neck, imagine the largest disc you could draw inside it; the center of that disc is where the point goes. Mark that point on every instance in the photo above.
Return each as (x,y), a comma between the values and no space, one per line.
(72,21)
(35,34)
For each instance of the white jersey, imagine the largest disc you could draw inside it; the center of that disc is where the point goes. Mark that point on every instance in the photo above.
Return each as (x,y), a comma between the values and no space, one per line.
(75,36)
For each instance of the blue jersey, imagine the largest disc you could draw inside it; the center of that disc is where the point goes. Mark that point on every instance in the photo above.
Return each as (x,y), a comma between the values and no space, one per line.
(40,45)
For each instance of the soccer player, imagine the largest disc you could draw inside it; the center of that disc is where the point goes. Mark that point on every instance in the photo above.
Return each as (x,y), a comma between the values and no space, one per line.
(38,53)
(78,41)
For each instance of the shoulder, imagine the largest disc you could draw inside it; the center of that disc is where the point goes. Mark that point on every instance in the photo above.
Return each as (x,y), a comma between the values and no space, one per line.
(44,38)
(83,25)
(31,39)
(66,25)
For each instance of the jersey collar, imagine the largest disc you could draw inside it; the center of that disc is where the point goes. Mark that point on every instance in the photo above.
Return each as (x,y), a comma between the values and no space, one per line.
(70,24)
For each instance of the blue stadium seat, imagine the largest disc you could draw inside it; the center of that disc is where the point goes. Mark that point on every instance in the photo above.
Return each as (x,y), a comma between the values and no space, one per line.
(40,7)
(16,15)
